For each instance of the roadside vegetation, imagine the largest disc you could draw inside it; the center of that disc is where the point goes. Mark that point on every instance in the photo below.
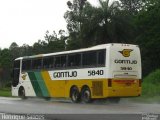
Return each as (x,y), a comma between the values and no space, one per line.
(151,84)
(5,92)
(150,88)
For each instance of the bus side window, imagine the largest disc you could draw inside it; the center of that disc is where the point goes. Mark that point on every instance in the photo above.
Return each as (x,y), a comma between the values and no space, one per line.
(101,57)
(37,63)
(48,62)
(74,60)
(57,62)
(77,60)
(90,58)
(63,61)
(70,60)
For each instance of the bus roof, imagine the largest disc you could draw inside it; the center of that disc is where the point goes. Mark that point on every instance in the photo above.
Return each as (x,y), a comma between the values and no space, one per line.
(97,47)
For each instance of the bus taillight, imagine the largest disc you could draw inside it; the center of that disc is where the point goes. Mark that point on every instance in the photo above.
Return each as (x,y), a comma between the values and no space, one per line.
(109,82)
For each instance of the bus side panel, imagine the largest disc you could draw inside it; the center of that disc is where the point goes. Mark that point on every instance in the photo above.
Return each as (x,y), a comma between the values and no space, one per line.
(40,84)
(55,88)
(96,86)
(61,88)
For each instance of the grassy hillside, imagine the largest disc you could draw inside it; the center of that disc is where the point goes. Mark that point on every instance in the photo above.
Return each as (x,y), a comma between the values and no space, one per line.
(150,88)
(151,84)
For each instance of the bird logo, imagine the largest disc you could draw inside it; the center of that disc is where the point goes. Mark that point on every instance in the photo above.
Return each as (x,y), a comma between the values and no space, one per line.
(126,52)
(24,76)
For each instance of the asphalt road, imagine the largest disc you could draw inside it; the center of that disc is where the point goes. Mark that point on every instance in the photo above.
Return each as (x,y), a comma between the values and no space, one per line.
(66,110)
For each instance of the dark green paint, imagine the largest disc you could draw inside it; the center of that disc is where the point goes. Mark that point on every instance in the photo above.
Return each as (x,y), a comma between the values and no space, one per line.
(35,84)
(42,84)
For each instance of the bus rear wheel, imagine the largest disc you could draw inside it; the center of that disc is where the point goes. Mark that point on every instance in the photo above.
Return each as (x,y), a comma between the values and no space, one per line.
(21,93)
(86,95)
(75,95)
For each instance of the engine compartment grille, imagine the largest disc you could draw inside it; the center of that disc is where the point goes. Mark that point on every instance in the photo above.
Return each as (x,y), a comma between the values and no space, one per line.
(97,88)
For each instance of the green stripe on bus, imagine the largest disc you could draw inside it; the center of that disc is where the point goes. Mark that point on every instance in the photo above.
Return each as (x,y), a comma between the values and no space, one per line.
(42,84)
(35,84)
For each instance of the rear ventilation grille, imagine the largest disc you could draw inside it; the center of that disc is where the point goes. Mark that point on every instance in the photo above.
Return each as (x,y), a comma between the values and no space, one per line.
(97,88)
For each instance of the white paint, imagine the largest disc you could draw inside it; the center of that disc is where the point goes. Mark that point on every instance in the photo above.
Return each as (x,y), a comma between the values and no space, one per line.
(29,91)
(115,70)
(81,74)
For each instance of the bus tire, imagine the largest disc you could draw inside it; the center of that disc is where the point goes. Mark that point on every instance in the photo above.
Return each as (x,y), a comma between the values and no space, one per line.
(114,100)
(86,95)
(21,93)
(75,95)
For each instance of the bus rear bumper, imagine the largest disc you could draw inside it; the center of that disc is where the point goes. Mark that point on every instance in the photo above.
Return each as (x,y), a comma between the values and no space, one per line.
(123,92)
(120,92)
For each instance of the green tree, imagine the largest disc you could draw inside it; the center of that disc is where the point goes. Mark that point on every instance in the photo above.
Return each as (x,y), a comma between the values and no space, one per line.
(148,24)
(107,23)
(5,58)
(14,51)
(5,66)
(26,50)
(116,24)
(39,47)
(132,6)
(74,19)
(55,43)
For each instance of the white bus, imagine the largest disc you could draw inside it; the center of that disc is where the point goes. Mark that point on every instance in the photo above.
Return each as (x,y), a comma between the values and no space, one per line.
(102,71)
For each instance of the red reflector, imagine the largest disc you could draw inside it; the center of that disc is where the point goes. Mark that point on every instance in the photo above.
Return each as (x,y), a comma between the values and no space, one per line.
(124,81)
(109,82)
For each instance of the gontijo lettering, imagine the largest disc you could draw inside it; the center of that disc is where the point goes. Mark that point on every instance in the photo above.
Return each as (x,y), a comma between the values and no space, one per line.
(125,61)
(65,74)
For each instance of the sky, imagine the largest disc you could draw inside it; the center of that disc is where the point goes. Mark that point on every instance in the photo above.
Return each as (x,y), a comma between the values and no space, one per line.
(26,21)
